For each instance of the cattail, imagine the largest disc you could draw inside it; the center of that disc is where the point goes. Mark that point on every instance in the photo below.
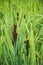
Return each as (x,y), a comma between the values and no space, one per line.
(27,45)
(14,34)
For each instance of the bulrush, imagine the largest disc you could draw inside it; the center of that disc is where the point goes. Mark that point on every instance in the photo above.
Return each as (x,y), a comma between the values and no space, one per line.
(27,45)
(14,34)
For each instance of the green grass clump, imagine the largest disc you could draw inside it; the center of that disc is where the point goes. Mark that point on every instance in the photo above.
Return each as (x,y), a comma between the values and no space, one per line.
(28,16)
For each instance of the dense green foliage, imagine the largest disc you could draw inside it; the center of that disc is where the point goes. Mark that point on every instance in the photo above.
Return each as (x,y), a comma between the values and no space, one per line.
(29,24)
